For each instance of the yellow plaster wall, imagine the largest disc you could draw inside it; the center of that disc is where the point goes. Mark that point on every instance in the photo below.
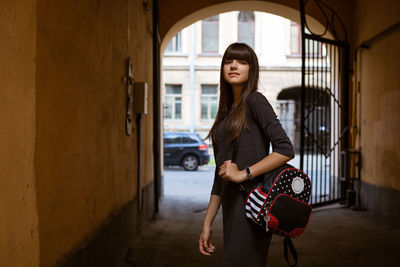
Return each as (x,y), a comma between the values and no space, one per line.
(85,164)
(19,235)
(380,93)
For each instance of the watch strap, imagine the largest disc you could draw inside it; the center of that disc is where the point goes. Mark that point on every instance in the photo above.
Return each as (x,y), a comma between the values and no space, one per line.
(248,173)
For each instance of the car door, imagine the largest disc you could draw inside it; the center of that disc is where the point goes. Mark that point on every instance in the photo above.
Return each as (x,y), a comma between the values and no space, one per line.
(190,145)
(172,149)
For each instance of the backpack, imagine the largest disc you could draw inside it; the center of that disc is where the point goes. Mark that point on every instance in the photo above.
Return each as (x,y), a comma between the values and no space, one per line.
(278,203)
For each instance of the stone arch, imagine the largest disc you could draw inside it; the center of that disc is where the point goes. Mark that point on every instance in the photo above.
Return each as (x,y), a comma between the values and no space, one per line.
(262,6)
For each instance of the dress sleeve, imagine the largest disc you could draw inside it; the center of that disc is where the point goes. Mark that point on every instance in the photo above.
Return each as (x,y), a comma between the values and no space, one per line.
(265,116)
(217,186)
(218,181)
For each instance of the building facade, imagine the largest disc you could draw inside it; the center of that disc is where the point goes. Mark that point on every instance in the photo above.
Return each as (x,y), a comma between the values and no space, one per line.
(192,60)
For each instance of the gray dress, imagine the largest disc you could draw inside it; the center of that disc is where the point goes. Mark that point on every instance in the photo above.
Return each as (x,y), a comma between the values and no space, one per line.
(245,244)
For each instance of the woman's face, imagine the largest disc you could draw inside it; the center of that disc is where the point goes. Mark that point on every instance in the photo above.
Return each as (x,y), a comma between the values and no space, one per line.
(236,72)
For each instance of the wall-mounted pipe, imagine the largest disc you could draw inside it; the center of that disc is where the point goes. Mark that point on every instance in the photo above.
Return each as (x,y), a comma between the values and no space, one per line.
(156,107)
(367,44)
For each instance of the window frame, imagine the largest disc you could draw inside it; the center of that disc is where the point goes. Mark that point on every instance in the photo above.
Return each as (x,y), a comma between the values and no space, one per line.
(240,22)
(209,98)
(210,21)
(174,102)
(318,54)
(176,42)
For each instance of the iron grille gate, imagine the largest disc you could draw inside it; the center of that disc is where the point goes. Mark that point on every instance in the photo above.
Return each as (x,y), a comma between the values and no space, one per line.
(324,119)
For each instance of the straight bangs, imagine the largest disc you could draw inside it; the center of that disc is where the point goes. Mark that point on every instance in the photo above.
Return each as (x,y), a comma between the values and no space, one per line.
(236,117)
(237,51)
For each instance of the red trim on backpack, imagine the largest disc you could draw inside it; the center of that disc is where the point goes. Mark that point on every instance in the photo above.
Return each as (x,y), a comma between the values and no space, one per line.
(273,221)
(295,231)
(267,195)
(277,179)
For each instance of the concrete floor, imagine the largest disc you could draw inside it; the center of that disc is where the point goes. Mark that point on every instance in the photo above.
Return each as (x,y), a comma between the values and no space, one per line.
(336,236)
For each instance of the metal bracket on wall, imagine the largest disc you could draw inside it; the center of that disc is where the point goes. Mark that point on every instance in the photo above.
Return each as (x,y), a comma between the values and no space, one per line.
(129,99)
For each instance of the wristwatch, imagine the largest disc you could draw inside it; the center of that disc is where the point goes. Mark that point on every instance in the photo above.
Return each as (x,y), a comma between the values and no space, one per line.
(248,173)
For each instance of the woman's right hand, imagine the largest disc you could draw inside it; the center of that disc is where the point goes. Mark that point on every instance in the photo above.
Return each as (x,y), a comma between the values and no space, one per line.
(205,245)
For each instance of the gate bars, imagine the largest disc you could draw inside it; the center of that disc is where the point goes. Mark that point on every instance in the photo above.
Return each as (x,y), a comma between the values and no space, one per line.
(324,109)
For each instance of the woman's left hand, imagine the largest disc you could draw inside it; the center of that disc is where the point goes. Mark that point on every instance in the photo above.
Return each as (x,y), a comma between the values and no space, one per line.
(229,172)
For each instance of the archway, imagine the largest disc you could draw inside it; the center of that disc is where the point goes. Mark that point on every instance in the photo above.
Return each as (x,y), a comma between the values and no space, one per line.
(290,104)
(261,6)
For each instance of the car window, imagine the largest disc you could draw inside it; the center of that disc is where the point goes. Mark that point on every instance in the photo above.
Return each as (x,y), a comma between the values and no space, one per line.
(188,140)
(172,140)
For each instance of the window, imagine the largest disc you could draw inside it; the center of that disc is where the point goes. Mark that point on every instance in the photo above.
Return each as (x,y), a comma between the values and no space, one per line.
(175,46)
(209,101)
(173,101)
(210,34)
(295,38)
(188,140)
(246,27)
(295,42)
(172,140)
(285,109)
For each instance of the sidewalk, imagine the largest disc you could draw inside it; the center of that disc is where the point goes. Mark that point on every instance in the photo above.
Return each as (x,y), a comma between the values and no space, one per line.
(335,237)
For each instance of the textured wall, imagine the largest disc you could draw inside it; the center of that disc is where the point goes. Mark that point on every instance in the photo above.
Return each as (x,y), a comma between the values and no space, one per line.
(85,164)
(19,235)
(380,93)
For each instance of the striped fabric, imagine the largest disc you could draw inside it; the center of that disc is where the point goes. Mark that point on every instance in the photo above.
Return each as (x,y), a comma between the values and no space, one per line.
(290,186)
(254,204)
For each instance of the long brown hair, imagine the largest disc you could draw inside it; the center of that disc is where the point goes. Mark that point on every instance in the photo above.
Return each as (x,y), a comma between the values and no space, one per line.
(236,114)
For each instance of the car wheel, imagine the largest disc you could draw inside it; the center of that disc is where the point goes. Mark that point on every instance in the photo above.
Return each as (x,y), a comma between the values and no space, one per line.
(190,162)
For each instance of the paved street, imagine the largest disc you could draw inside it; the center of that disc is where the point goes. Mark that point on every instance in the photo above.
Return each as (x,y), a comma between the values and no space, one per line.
(197,185)
(193,185)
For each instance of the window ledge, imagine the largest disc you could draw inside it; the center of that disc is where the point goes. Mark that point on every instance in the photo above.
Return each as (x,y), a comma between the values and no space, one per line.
(309,55)
(293,56)
(216,54)
(172,54)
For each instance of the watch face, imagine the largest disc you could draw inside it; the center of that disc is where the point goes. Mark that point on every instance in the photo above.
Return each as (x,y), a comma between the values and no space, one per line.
(248,173)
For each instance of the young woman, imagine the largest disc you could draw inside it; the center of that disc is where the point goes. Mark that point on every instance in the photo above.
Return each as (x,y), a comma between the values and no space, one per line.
(245,117)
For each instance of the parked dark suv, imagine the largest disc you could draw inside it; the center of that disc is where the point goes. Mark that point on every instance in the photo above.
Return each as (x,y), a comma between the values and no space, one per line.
(185,149)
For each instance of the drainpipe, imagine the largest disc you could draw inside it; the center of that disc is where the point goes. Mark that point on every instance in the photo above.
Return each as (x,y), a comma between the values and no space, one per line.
(156,108)
(139,117)
(303,93)
(191,70)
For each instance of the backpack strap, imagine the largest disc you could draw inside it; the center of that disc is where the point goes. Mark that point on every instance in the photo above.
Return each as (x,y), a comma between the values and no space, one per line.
(287,243)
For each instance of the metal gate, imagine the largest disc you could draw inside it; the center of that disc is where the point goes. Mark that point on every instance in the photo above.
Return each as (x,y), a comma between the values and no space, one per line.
(324,112)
